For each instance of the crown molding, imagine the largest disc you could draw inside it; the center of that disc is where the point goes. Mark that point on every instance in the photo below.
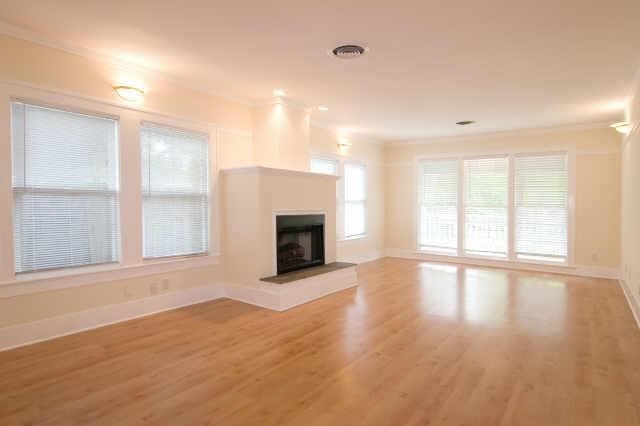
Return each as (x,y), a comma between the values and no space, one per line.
(500,134)
(20,33)
(283,101)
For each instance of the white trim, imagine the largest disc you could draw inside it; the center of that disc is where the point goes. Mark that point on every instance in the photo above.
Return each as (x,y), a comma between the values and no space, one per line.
(279,297)
(273,171)
(577,270)
(32,332)
(498,134)
(632,301)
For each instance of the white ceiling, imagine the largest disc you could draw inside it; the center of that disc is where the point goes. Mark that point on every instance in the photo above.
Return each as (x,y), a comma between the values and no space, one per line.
(506,64)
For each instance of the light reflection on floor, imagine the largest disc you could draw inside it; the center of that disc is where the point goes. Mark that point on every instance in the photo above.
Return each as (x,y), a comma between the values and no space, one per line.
(493,297)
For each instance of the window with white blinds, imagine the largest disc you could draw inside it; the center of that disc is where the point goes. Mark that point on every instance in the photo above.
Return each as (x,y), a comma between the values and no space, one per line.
(512,206)
(324,165)
(65,188)
(175,191)
(438,198)
(541,207)
(355,199)
(486,206)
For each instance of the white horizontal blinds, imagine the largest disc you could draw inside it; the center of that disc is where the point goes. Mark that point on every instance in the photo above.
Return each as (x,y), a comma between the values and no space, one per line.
(485,205)
(355,199)
(175,192)
(439,205)
(324,165)
(541,206)
(65,188)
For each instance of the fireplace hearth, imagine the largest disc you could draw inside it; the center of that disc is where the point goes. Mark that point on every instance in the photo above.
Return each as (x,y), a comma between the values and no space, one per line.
(300,242)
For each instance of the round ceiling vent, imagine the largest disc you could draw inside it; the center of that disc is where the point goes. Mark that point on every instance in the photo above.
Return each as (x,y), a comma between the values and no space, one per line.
(348,51)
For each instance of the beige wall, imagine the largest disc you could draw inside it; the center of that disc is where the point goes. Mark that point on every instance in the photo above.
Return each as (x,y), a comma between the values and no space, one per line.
(45,72)
(281,136)
(631,201)
(370,152)
(597,196)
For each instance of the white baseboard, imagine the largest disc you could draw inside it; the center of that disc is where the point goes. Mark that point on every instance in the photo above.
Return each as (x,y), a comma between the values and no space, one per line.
(281,297)
(271,296)
(631,300)
(32,332)
(579,270)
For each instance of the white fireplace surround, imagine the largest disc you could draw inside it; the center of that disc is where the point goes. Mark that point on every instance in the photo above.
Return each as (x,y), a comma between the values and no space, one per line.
(275,214)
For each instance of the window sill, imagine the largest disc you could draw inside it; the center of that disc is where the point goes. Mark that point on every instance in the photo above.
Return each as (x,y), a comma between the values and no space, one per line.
(353,237)
(495,260)
(37,282)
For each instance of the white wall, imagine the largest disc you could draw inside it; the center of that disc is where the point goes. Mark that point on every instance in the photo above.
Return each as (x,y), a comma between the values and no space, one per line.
(370,152)
(631,203)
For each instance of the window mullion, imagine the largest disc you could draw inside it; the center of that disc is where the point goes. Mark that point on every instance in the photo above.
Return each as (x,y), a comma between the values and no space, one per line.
(511,207)
(461,206)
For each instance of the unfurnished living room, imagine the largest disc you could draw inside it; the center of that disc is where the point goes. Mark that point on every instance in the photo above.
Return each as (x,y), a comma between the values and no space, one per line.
(290,213)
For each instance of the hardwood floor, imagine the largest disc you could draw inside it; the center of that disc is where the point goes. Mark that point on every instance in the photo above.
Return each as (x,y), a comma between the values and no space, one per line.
(417,343)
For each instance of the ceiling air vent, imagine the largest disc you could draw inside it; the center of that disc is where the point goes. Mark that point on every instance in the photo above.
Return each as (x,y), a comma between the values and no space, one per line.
(348,51)
(465,123)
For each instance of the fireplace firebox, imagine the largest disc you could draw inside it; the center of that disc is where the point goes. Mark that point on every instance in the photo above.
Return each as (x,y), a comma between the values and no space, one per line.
(299,241)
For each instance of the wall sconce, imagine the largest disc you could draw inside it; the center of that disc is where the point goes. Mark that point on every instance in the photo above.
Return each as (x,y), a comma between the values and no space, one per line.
(622,127)
(129,93)
(343,145)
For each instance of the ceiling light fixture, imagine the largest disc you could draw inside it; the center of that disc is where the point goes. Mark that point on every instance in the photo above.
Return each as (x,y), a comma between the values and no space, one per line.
(129,93)
(349,51)
(279,93)
(343,142)
(622,127)
(323,108)
(465,122)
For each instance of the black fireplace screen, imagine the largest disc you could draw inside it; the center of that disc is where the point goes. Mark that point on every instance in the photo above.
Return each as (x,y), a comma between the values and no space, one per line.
(300,242)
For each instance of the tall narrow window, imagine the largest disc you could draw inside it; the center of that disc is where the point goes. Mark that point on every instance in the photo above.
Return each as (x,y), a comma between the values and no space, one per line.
(438,230)
(324,165)
(175,192)
(485,206)
(65,188)
(355,199)
(541,207)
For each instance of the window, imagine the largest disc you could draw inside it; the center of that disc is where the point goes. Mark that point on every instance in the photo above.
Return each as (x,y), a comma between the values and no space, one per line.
(355,199)
(509,206)
(65,188)
(485,206)
(323,165)
(175,192)
(439,206)
(541,207)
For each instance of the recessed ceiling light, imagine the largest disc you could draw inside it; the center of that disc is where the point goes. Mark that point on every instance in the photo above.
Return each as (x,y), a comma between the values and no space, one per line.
(622,127)
(279,93)
(348,51)
(323,108)
(129,93)
(465,122)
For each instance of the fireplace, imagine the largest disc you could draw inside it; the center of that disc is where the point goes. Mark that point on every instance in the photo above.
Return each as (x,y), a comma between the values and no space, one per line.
(299,241)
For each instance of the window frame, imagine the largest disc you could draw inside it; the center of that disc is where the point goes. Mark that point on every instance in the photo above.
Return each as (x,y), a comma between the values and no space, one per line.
(130,264)
(364,202)
(117,192)
(207,231)
(511,257)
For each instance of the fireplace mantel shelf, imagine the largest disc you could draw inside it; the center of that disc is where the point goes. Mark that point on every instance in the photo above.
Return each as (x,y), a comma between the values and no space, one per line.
(275,171)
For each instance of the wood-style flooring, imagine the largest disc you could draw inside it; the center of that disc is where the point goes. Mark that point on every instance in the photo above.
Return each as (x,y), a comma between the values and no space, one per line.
(415,344)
